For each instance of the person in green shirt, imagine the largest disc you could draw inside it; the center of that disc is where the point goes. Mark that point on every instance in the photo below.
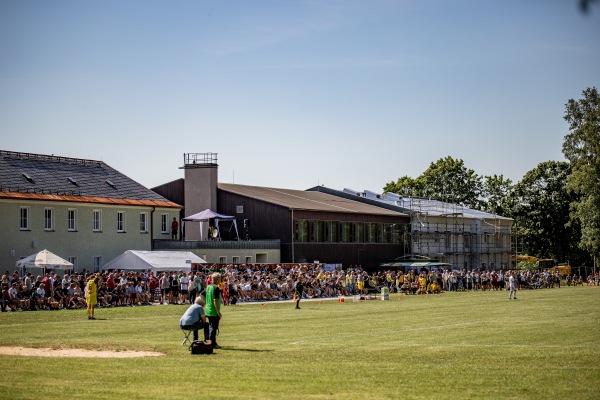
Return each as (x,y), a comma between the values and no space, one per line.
(213,297)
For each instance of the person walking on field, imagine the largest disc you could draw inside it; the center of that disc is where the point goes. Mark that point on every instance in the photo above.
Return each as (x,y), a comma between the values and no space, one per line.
(91,296)
(298,290)
(512,286)
(213,297)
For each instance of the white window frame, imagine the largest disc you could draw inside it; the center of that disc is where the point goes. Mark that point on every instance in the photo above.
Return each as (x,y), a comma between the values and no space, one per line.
(164,223)
(143,222)
(97,220)
(24,218)
(248,260)
(72,219)
(235,260)
(97,263)
(222,260)
(48,219)
(121,221)
(239,209)
(73,260)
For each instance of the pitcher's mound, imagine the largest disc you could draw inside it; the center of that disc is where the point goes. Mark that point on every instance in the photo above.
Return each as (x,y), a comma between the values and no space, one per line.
(47,352)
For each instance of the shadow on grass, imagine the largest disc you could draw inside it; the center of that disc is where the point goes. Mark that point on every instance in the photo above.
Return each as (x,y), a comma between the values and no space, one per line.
(228,348)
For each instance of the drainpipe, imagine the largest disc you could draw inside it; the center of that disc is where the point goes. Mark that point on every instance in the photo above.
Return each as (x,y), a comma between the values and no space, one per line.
(292,236)
(152,228)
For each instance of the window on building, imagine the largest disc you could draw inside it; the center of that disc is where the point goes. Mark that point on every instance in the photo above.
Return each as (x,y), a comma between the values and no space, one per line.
(49,219)
(239,209)
(360,232)
(24,218)
(235,260)
(73,260)
(143,222)
(164,223)
(248,260)
(71,219)
(97,261)
(120,221)
(97,221)
(222,260)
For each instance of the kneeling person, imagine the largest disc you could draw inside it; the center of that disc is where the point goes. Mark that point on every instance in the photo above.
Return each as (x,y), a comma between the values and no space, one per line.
(194,319)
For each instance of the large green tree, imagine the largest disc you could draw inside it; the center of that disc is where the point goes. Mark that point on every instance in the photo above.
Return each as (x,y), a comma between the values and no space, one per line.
(541,213)
(446,179)
(582,148)
(497,193)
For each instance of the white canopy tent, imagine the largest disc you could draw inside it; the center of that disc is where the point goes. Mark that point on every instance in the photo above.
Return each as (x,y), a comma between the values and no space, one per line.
(157,261)
(207,215)
(42,261)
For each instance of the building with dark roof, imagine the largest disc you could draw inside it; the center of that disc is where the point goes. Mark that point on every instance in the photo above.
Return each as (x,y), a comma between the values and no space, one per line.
(309,226)
(82,210)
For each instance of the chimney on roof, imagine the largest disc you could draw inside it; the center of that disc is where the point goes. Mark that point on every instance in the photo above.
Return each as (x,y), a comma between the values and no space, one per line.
(200,188)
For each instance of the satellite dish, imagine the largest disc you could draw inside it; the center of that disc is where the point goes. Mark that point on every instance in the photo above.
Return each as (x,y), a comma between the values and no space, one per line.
(215,233)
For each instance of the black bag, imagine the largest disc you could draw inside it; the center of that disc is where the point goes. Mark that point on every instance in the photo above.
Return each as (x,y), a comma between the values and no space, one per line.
(201,347)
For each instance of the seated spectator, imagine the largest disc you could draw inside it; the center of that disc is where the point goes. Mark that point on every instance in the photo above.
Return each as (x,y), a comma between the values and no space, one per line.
(13,298)
(194,319)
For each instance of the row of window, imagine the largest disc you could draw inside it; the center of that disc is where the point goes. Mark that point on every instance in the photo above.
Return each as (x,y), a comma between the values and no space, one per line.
(347,232)
(49,220)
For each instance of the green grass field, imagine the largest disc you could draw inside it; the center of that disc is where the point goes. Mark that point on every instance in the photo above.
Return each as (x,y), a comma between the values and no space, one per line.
(456,345)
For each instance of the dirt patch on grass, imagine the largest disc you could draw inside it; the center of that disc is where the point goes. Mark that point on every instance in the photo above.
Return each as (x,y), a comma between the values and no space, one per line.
(48,352)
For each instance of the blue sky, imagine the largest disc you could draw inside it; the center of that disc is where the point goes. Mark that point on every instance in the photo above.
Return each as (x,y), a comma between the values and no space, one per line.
(295,93)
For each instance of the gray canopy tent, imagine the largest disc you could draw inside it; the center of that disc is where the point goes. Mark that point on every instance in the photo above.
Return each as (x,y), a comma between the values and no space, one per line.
(207,215)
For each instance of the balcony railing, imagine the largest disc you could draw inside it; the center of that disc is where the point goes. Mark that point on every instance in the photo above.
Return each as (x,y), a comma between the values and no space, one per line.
(274,244)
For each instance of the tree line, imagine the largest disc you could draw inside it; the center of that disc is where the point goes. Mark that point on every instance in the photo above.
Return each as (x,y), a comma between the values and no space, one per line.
(555,206)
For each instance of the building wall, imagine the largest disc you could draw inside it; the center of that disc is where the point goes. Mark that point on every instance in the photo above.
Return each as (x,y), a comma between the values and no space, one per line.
(266,220)
(200,194)
(463,242)
(270,221)
(231,256)
(83,242)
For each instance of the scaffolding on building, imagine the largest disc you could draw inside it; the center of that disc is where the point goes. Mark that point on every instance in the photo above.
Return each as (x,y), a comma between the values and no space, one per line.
(457,235)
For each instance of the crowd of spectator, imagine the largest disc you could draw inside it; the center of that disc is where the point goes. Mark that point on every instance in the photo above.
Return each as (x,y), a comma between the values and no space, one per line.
(251,282)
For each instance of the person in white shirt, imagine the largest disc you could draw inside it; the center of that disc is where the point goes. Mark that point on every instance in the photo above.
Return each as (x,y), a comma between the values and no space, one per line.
(184,283)
(512,286)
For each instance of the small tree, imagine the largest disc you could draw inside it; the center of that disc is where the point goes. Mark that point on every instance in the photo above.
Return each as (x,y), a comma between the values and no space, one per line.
(527,266)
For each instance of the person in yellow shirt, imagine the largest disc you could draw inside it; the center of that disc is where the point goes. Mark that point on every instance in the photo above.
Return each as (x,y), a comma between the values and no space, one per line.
(91,296)
(422,284)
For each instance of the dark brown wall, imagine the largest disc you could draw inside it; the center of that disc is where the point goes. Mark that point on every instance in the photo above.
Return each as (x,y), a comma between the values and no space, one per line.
(350,217)
(173,191)
(270,221)
(267,221)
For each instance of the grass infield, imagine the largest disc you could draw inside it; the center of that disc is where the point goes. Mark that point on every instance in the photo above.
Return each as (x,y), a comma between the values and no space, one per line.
(545,345)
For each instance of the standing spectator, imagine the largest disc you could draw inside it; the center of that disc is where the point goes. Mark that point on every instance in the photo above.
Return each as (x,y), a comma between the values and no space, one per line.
(213,307)
(298,291)
(90,297)
(47,282)
(512,286)
(174,295)
(184,284)
(174,228)
(165,285)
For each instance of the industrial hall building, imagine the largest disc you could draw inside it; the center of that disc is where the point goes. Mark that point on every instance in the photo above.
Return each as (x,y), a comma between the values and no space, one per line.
(305,226)
(459,236)
(82,210)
